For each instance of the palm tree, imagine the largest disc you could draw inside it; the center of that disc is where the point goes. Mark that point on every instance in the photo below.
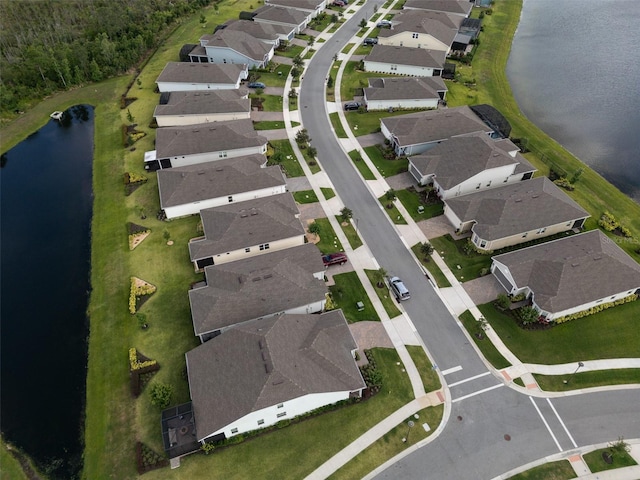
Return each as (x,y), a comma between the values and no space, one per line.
(379,276)
(346,214)
(426,249)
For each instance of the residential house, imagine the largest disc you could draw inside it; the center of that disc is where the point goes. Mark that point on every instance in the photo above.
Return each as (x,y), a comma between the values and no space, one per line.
(188,190)
(418,29)
(514,214)
(416,62)
(570,275)
(265,32)
(281,16)
(468,164)
(269,370)
(467,34)
(234,47)
(453,7)
(404,92)
(185,77)
(204,142)
(244,229)
(312,8)
(257,288)
(191,108)
(416,133)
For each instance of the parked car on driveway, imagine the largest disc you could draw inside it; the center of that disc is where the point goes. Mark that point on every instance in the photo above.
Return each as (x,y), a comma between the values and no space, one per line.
(370,41)
(338,258)
(384,24)
(399,290)
(339,3)
(352,105)
(257,85)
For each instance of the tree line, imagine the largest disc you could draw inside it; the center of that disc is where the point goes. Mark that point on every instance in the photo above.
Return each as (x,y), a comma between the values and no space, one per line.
(49,45)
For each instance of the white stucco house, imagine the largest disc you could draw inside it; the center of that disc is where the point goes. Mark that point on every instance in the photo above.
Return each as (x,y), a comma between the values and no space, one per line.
(416,133)
(404,93)
(265,371)
(188,190)
(192,108)
(418,29)
(265,32)
(257,288)
(245,229)
(287,17)
(513,214)
(416,62)
(469,164)
(570,275)
(185,77)
(228,46)
(208,142)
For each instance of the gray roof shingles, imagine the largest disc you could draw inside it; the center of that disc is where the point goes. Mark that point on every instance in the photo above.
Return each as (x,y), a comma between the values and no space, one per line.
(266,362)
(244,224)
(404,88)
(186,72)
(416,57)
(422,25)
(207,137)
(241,42)
(520,207)
(573,271)
(207,102)
(284,15)
(262,31)
(258,286)
(458,7)
(194,183)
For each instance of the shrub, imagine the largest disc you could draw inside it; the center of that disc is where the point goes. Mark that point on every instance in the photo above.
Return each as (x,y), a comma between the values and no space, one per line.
(608,222)
(135,364)
(503,301)
(596,309)
(160,394)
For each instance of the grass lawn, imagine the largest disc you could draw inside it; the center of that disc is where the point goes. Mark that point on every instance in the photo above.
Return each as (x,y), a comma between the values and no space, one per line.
(360,164)
(387,168)
(350,232)
(555,383)
(321,22)
(429,377)
(10,466)
(277,78)
(327,192)
(337,125)
(612,333)
(391,444)
(489,351)
(411,201)
(291,51)
(270,103)
(363,50)
(301,447)
(289,163)
(305,196)
(336,26)
(434,271)
(346,49)
(347,292)
(309,54)
(269,125)
(312,162)
(560,470)
(388,300)
(329,242)
(393,212)
(453,254)
(597,464)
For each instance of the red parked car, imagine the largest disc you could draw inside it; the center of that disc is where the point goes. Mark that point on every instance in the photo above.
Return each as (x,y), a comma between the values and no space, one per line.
(339,258)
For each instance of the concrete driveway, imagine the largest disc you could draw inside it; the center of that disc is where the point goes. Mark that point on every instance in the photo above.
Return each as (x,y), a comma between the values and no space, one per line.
(483,290)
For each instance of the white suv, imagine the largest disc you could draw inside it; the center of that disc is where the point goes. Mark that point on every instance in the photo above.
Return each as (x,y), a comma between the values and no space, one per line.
(398,289)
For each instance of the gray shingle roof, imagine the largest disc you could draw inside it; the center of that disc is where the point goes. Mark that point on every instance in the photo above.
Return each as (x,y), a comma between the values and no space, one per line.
(447,19)
(573,271)
(458,7)
(280,15)
(244,224)
(460,158)
(434,125)
(241,42)
(404,88)
(310,5)
(186,72)
(207,137)
(417,57)
(263,31)
(207,102)
(415,23)
(193,183)
(267,362)
(258,286)
(516,208)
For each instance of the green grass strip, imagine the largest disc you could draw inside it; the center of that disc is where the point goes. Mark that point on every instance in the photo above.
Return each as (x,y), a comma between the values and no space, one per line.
(337,125)
(560,470)
(489,351)
(596,462)
(428,375)
(360,164)
(434,271)
(388,301)
(305,196)
(347,292)
(599,378)
(350,231)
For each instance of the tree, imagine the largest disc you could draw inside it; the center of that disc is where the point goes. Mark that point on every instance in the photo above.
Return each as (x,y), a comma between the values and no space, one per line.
(311,41)
(203,19)
(363,23)
(298,61)
(576,175)
(379,276)
(346,214)
(277,157)
(302,136)
(315,229)
(312,152)
(390,194)
(295,72)
(426,249)
(330,82)
(334,18)
(160,394)
(293,93)
(503,301)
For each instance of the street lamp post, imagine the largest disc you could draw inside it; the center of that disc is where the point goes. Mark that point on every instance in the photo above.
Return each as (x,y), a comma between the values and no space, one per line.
(566,382)
(410,424)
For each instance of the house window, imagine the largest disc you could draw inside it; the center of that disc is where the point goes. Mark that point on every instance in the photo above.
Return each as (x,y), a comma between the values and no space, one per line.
(524,235)
(414,35)
(264,246)
(282,414)
(261,422)
(483,243)
(222,155)
(478,186)
(505,180)
(247,250)
(542,230)
(394,67)
(234,430)
(489,184)
(230,198)
(280,405)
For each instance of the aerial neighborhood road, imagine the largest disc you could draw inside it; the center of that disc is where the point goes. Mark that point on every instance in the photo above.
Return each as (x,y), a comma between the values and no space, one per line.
(491,428)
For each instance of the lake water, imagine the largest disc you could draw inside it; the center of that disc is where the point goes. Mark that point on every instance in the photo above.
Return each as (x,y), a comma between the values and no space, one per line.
(574,70)
(46,206)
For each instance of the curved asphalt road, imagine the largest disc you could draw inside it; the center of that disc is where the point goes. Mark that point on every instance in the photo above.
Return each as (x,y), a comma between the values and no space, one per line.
(473,444)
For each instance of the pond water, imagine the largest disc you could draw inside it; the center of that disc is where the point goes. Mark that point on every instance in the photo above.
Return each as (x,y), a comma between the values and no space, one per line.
(45,207)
